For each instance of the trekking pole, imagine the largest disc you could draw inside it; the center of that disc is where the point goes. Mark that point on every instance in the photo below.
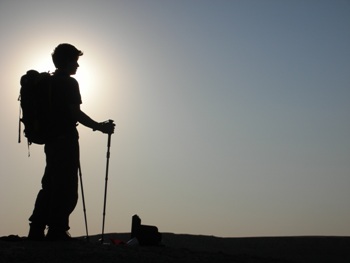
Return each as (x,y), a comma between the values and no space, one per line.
(83,199)
(106,180)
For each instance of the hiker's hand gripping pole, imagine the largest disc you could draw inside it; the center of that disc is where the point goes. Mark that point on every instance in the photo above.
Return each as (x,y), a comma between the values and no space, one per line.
(106,180)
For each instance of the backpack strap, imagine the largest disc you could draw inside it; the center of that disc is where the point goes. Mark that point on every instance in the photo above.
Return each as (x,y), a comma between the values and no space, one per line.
(28,143)
(19,121)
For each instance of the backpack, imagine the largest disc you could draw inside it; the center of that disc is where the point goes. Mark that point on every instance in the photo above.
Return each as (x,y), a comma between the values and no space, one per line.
(35,106)
(145,235)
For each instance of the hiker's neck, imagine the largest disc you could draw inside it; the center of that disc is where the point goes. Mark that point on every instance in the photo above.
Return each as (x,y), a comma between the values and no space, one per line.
(63,72)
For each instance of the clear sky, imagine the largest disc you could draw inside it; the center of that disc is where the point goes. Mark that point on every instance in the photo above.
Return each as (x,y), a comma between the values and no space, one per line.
(233,117)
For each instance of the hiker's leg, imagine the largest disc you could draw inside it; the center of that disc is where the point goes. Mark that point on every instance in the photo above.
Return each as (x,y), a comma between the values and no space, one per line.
(64,194)
(39,217)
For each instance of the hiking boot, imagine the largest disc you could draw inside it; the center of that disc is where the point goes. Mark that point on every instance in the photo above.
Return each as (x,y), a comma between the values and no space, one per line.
(36,232)
(58,235)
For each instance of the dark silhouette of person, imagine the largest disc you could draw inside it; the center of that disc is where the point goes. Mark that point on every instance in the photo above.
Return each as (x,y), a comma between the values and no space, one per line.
(59,194)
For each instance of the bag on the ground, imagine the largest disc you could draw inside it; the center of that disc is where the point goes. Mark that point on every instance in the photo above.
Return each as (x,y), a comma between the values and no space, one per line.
(35,105)
(146,235)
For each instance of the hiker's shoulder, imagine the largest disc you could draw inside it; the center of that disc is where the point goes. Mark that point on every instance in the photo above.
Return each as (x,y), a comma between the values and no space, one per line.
(67,80)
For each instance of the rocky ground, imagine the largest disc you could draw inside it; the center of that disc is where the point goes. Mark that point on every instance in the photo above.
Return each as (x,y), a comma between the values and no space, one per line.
(180,248)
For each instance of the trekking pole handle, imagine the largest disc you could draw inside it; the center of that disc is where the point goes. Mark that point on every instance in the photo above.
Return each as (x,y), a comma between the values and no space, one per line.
(109,134)
(111,122)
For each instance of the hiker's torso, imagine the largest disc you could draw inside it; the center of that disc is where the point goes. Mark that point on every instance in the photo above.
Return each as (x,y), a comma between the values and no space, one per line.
(65,92)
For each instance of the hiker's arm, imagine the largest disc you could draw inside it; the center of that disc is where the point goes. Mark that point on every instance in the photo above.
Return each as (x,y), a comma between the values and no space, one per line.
(84,119)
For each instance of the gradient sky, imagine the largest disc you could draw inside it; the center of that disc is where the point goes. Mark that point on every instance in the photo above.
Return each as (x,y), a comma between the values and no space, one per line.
(232,116)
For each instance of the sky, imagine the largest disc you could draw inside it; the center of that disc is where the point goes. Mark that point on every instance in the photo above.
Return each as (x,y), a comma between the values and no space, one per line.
(232,115)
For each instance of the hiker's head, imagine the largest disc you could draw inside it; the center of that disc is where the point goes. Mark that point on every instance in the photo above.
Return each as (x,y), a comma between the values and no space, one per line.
(65,56)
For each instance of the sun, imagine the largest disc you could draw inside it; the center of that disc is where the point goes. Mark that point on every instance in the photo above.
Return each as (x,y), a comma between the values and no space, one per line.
(88,78)
(40,61)
(85,80)
(87,75)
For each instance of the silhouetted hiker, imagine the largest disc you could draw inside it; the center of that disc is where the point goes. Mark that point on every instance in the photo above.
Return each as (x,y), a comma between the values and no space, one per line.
(59,194)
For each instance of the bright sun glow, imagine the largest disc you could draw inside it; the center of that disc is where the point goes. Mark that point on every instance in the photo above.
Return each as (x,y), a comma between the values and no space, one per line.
(84,75)
(85,79)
